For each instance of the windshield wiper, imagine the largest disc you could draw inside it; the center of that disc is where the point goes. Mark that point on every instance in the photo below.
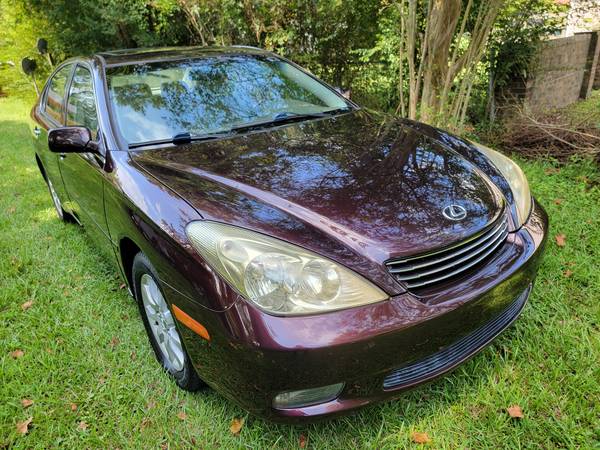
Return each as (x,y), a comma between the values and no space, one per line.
(284,117)
(184,138)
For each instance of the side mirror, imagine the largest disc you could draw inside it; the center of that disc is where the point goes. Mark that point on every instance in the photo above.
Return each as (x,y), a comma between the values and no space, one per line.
(71,140)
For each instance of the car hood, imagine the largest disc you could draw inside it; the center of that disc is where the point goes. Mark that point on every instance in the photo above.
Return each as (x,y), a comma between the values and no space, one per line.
(366,180)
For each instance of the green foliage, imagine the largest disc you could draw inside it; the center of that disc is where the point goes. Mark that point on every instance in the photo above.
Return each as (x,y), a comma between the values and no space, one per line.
(517,35)
(349,43)
(19,32)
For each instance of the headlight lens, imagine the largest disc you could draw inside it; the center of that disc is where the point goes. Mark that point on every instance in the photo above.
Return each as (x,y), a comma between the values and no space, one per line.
(279,277)
(516,179)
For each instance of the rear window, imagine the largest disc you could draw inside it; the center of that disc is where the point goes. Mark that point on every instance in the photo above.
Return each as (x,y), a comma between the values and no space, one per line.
(56,94)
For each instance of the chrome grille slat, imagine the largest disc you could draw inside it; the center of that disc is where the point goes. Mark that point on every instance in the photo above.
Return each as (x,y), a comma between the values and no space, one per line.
(487,236)
(430,268)
(456,272)
(466,258)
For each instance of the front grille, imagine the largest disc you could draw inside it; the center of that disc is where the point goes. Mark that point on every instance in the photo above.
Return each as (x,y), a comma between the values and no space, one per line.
(430,268)
(455,353)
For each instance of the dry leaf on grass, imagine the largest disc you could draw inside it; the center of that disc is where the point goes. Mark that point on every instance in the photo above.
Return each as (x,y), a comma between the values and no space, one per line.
(26,402)
(561,240)
(73,407)
(420,438)
(302,441)
(28,304)
(82,426)
(181,415)
(114,342)
(23,427)
(145,422)
(568,273)
(515,412)
(17,354)
(236,425)
(558,201)
(122,286)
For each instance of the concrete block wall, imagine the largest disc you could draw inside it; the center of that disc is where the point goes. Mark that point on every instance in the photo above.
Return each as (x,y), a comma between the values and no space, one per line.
(565,70)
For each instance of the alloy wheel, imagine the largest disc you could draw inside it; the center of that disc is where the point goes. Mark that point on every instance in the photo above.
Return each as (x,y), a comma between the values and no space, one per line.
(162,323)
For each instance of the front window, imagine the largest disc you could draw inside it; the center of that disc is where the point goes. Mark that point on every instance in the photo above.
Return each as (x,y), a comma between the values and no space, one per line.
(81,107)
(157,101)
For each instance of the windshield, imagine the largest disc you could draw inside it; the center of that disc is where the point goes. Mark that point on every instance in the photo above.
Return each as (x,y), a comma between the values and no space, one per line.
(157,101)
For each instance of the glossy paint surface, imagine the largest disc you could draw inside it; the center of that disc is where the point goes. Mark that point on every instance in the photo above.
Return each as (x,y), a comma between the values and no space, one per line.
(359,188)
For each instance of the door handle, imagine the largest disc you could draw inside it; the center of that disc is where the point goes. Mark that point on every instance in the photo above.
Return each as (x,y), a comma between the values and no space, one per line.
(36,132)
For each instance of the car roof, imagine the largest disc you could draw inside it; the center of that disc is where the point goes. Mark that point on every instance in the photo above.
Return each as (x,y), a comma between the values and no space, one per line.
(139,55)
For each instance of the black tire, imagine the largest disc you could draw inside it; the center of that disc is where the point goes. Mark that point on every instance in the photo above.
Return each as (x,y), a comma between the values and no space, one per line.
(186,378)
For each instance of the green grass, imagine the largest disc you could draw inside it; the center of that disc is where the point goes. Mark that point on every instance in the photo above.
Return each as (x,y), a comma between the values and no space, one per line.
(84,343)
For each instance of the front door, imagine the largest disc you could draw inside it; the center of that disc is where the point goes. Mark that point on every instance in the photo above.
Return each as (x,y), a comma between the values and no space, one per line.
(83,173)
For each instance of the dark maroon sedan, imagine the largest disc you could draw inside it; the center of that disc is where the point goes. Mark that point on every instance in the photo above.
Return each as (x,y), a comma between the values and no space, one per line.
(298,253)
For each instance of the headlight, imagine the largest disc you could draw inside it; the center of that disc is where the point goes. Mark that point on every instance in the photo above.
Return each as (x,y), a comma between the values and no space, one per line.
(516,179)
(279,277)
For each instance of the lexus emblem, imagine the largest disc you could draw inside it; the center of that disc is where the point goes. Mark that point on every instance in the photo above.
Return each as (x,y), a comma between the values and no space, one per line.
(454,212)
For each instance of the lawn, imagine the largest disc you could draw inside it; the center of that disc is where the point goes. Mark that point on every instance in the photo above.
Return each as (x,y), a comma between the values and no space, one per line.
(89,371)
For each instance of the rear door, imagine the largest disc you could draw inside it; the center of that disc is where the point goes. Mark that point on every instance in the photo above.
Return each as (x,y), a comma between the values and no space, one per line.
(83,173)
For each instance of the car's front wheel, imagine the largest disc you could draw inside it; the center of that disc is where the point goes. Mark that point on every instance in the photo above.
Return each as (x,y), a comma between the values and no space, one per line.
(160,325)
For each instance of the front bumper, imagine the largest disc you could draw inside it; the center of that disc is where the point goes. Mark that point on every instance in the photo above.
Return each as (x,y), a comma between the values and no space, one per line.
(377,350)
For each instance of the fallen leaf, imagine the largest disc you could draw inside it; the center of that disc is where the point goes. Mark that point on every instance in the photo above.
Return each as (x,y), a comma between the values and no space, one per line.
(28,304)
(515,412)
(302,441)
(145,422)
(82,426)
(181,415)
(26,402)
(568,273)
(236,425)
(420,438)
(151,404)
(73,407)
(133,355)
(561,240)
(558,201)
(23,427)
(11,210)
(17,354)
(551,170)
(114,342)
(122,286)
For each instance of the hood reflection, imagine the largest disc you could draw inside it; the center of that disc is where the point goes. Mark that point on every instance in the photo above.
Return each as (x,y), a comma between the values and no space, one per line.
(367,174)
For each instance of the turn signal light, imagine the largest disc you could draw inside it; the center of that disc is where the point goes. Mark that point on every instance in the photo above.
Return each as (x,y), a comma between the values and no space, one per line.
(192,324)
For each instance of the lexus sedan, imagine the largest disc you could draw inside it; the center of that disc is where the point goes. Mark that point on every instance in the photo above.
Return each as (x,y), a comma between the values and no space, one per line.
(300,254)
